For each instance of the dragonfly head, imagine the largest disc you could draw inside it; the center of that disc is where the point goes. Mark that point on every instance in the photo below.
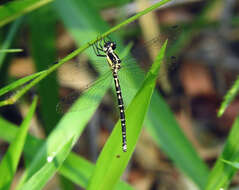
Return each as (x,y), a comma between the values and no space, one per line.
(109,45)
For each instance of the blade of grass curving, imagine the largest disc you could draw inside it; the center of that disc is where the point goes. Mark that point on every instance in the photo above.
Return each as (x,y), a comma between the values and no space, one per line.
(75,168)
(233,164)
(222,173)
(18,83)
(6,44)
(164,129)
(52,164)
(160,123)
(15,85)
(229,97)
(14,9)
(11,159)
(113,160)
(70,126)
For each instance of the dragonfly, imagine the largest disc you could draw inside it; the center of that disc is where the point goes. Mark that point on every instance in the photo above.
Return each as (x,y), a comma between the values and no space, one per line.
(105,48)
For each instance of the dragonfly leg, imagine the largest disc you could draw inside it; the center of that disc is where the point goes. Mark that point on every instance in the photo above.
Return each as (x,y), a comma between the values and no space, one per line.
(100,46)
(98,50)
(109,39)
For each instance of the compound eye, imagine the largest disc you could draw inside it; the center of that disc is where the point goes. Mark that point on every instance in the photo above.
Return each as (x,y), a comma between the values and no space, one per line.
(113,45)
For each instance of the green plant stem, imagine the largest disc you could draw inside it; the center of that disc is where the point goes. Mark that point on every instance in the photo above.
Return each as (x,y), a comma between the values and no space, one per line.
(15,9)
(10,50)
(9,39)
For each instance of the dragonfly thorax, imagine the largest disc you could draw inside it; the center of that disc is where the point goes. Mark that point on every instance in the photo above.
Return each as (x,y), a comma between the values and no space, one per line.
(109,47)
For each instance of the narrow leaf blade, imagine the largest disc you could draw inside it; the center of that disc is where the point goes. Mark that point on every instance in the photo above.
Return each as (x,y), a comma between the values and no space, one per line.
(229,97)
(18,83)
(10,160)
(39,179)
(222,173)
(14,9)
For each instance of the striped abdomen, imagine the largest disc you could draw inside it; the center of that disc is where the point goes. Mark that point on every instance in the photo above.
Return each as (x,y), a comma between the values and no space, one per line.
(121,109)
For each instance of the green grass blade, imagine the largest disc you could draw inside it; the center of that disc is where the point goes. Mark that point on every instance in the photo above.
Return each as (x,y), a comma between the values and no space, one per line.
(44,174)
(171,139)
(65,184)
(70,126)
(233,164)
(222,173)
(11,159)
(113,160)
(162,125)
(166,132)
(43,48)
(7,130)
(108,3)
(10,50)
(75,168)
(14,9)
(80,170)
(229,97)
(6,44)
(17,84)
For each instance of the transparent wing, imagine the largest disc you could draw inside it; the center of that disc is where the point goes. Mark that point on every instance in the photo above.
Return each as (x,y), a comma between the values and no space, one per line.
(90,92)
(78,75)
(128,68)
(140,50)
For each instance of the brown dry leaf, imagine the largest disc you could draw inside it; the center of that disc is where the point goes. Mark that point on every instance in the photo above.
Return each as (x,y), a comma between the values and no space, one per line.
(186,125)
(21,67)
(196,79)
(140,181)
